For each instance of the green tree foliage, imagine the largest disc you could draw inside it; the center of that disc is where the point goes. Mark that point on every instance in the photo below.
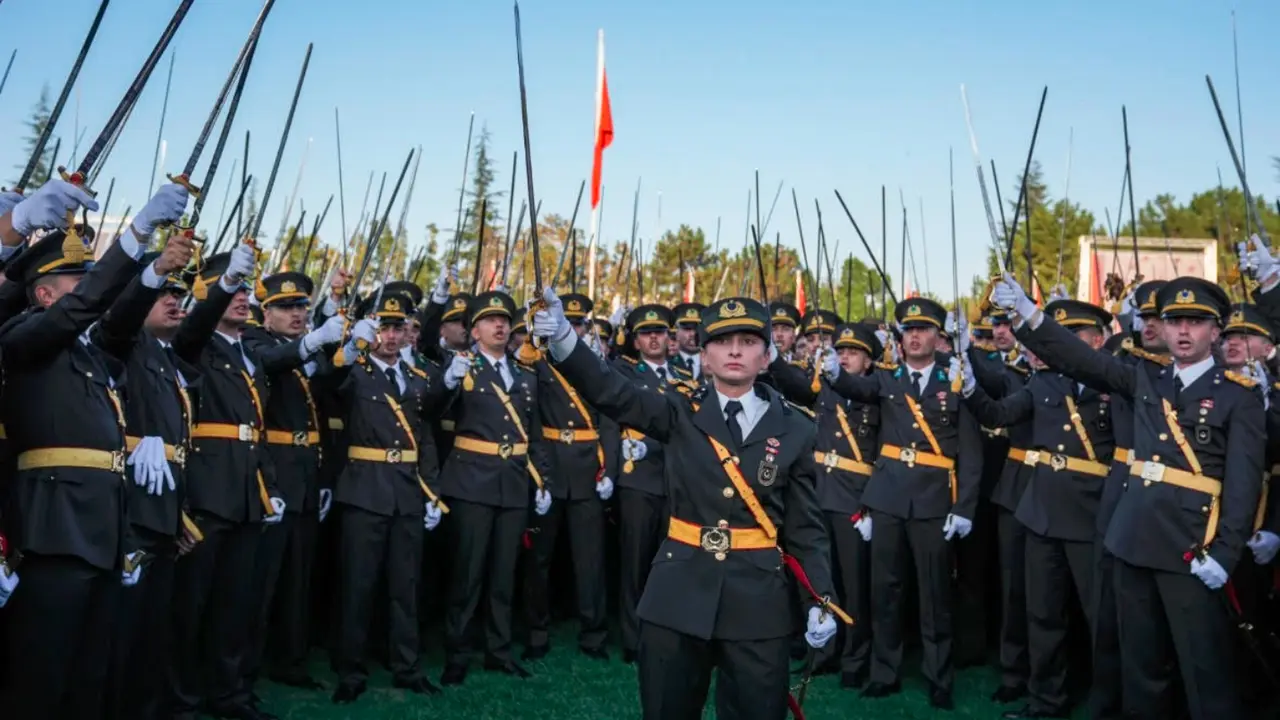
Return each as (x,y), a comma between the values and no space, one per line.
(35,126)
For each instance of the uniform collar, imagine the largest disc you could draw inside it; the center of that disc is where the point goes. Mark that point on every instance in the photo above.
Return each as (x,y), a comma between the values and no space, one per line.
(1191,373)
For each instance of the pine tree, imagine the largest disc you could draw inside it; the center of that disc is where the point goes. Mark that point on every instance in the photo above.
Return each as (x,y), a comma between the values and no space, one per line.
(36,124)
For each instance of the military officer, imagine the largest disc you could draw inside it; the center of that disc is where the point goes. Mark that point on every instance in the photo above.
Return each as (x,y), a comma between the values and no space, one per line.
(922,495)
(230,489)
(785,319)
(819,326)
(847,445)
(717,594)
(66,427)
(688,356)
(572,432)
(1188,508)
(498,453)
(282,574)
(1070,453)
(386,492)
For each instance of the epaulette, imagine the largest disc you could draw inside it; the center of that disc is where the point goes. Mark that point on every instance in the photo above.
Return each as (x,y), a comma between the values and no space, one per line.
(420,373)
(629,359)
(1141,354)
(699,393)
(800,364)
(887,366)
(1239,379)
(984,346)
(802,409)
(1275,386)
(526,368)
(1021,370)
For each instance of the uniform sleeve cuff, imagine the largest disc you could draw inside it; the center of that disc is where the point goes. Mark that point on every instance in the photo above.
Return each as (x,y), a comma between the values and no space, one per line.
(131,246)
(561,349)
(152,279)
(226,284)
(8,251)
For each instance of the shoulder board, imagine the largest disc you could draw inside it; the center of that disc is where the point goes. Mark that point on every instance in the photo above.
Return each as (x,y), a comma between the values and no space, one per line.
(1020,369)
(629,359)
(526,368)
(683,389)
(802,409)
(1239,379)
(887,366)
(682,371)
(1151,357)
(685,385)
(699,393)
(1275,386)
(363,360)
(984,346)
(800,364)
(416,371)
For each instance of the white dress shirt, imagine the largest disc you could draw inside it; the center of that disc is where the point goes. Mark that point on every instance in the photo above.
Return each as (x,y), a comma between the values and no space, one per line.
(503,368)
(753,407)
(248,365)
(1191,373)
(383,367)
(695,363)
(181,380)
(925,372)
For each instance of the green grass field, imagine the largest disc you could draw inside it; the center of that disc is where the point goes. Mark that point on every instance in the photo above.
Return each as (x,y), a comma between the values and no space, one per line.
(569,686)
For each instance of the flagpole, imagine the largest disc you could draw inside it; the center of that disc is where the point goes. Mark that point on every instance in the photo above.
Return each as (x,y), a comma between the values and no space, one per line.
(595,139)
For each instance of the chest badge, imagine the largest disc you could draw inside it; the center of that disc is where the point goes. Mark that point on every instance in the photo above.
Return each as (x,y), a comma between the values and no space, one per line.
(1202,434)
(767,474)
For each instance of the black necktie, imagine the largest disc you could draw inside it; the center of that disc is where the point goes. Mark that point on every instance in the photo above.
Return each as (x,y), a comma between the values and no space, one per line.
(239,355)
(173,356)
(662,374)
(395,383)
(732,408)
(915,384)
(1177,388)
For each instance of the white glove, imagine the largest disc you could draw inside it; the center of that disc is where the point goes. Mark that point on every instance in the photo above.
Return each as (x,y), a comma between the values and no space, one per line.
(1136,323)
(458,368)
(634,450)
(604,488)
(164,208)
(961,338)
(831,365)
(431,517)
(956,526)
(541,502)
(773,352)
(883,337)
(950,324)
(8,583)
(366,330)
(47,207)
(1264,545)
(1129,304)
(150,468)
(326,503)
(327,334)
(277,512)
(8,201)
(551,323)
(964,371)
(1059,292)
(1008,294)
(129,578)
(1256,371)
(619,313)
(1209,572)
(440,293)
(863,526)
(820,628)
(241,264)
(1257,258)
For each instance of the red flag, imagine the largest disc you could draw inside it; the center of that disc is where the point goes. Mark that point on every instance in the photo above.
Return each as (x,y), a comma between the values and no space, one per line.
(800,298)
(604,124)
(1095,277)
(689,287)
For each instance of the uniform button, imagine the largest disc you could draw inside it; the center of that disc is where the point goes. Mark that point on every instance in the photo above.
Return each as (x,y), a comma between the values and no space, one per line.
(506,417)
(915,425)
(1061,448)
(722,524)
(570,423)
(1204,509)
(1204,411)
(88,374)
(1146,483)
(721,556)
(397,443)
(668,556)
(1164,436)
(728,492)
(1155,458)
(1066,427)
(838,434)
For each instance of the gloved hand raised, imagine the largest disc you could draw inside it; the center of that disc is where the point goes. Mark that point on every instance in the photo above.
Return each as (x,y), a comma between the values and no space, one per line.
(327,334)
(241,264)
(47,207)
(458,368)
(1008,294)
(164,208)
(550,323)
(440,292)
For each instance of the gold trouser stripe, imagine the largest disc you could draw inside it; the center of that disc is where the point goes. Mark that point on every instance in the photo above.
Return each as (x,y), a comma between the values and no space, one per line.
(172,453)
(832,460)
(109,460)
(739,538)
(1060,462)
(389,455)
(288,437)
(570,435)
(1153,472)
(911,456)
(484,447)
(225,431)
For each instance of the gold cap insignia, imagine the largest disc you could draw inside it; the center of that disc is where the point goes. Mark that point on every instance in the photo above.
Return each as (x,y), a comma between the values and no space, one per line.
(574,306)
(846,334)
(1060,315)
(288,287)
(651,315)
(731,309)
(1237,316)
(1151,298)
(459,304)
(1185,297)
(780,312)
(495,301)
(693,314)
(392,305)
(913,310)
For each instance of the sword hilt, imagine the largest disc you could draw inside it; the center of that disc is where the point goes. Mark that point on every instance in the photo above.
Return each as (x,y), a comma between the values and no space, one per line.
(185,182)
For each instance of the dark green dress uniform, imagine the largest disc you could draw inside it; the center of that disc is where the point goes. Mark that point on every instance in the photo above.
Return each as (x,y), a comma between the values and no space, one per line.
(1192,489)
(230,481)
(641,484)
(282,579)
(717,594)
(1070,454)
(389,478)
(688,316)
(848,442)
(1004,450)
(66,427)
(573,435)
(785,314)
(913,488)
(488,479)
(157,403)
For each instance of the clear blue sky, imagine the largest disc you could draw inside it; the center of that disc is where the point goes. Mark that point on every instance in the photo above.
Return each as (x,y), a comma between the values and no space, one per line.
(819,94)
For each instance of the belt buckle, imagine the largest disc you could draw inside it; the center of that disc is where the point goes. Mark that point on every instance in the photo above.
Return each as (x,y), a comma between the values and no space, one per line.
(908,456)
(394,455)
(117,462)
(566,436)
(1153,471)
(244,433)
(831,459)
(1058,462)
(1032,458)
(180,455)
(714,539)
(505,450)
(300,438)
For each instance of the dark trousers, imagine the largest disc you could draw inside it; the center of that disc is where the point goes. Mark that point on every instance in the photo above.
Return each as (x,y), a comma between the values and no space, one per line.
(675,673)
(212,613)
(370,541)
(141,645)
(1053,567)
(1104,695)
(584,521)
(291,611)
(60,618)
(487,547)
(973,555)
(1014,664)
(267,560)
(644,524)
(892,540)
(1173,616)
(851,563)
